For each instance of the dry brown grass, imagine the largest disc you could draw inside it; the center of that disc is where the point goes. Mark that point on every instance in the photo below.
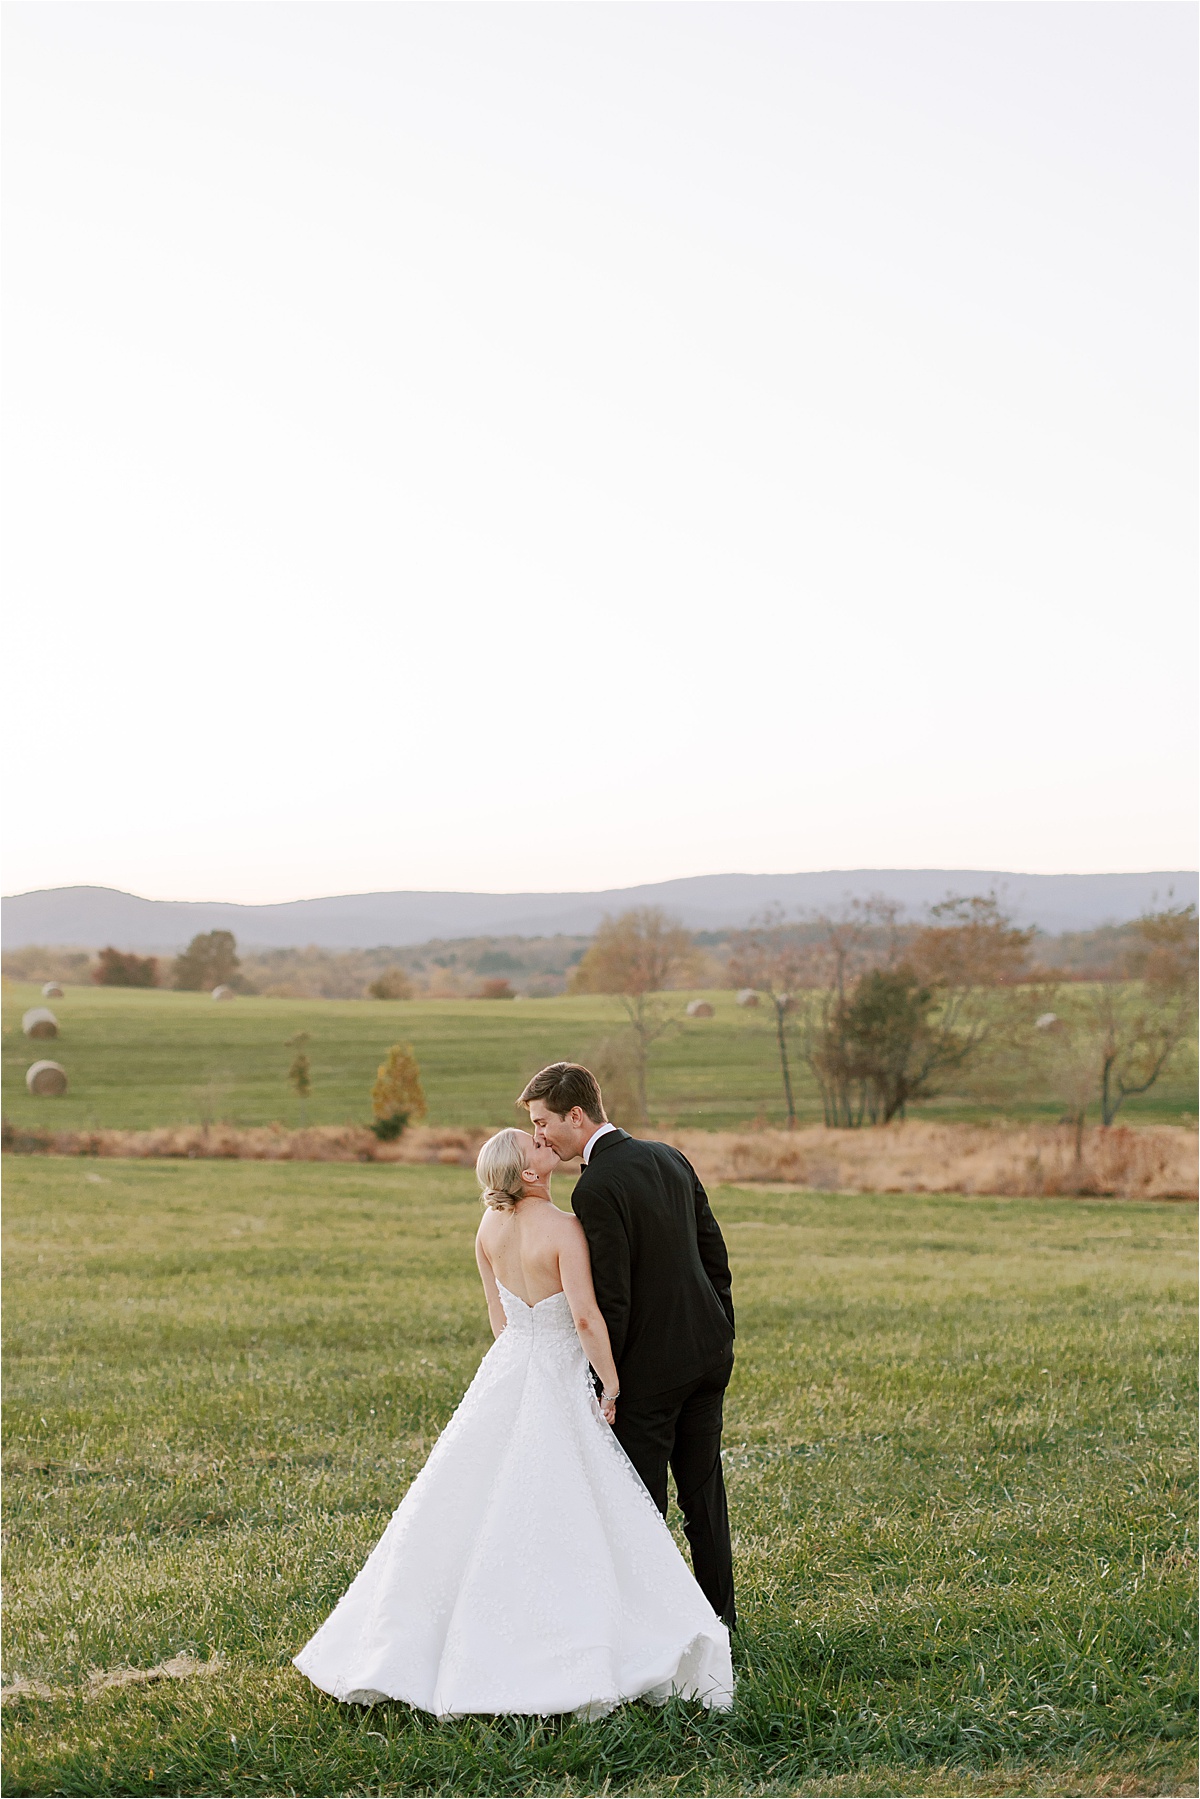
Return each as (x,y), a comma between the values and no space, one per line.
(258,1143)
(1155,1162)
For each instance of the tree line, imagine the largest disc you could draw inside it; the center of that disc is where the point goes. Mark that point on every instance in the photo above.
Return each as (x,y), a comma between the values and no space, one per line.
(883,1012)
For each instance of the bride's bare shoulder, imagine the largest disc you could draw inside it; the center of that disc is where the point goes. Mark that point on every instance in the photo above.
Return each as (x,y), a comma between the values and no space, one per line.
(565,1224)
(489,1225)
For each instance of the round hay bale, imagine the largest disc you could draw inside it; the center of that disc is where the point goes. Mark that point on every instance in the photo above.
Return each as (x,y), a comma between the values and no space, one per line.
(747,997)
(52,990)
(699,1008)
(40,1021)
(222,992)
(1049,1021)
(47,1079)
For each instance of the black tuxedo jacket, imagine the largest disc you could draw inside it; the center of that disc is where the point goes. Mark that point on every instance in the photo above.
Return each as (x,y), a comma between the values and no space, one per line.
(659,1263)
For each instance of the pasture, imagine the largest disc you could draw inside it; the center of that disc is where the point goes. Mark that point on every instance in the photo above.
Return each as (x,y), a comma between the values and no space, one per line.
(138,1059)
(959,1449)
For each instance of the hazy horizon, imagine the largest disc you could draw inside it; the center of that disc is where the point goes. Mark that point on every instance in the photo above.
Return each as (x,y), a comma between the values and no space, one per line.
(97,915)
(622,887)
(528,449)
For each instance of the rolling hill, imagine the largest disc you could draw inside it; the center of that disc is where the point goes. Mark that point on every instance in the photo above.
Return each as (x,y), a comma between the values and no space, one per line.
(92,916)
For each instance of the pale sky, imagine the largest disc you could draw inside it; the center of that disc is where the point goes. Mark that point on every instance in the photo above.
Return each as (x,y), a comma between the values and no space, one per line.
(559,446)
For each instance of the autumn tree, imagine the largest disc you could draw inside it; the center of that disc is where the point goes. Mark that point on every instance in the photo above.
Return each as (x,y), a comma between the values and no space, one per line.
(969,946)
(210,960)
(636,957)
(397,1096)
(120,968)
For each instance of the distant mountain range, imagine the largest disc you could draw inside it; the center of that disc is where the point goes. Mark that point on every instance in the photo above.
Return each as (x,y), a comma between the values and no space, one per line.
(89,917)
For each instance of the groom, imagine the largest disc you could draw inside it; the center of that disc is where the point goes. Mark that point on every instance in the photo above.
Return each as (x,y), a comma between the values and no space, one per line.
(662,1281)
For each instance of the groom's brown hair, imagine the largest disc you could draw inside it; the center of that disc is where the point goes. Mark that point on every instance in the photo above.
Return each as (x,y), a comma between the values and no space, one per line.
(563,1085)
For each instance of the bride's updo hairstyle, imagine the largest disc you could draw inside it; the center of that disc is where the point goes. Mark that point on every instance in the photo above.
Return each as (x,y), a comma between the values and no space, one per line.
(498,1170)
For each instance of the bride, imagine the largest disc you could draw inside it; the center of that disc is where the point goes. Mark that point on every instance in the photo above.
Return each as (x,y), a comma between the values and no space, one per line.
(527,1568)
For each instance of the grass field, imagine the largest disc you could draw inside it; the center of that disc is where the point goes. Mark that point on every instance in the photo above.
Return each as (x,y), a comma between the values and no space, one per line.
(140,1059)
(959,1451)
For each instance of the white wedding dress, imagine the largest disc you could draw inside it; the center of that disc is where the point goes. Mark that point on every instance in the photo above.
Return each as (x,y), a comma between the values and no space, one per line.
(526,1569)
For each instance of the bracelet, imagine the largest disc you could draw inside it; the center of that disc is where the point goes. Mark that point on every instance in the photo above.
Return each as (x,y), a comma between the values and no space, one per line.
(607,1395)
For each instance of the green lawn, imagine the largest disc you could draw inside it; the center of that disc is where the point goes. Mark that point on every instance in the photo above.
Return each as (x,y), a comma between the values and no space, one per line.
(139,1059)
(959,1451)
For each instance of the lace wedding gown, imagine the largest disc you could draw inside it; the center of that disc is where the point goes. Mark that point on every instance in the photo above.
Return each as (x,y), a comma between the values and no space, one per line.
(526,1569)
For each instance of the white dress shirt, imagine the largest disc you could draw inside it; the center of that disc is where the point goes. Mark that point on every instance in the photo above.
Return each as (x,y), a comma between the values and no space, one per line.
(590,1144)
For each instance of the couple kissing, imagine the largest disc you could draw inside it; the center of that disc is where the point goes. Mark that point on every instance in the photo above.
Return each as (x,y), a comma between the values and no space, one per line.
(529,1568)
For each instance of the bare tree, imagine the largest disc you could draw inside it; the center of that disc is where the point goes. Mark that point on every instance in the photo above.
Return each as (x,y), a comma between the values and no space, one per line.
(1110,1040)
(636,957)
(1073,1061)
(842,950)
(1141,1022)
(773,959)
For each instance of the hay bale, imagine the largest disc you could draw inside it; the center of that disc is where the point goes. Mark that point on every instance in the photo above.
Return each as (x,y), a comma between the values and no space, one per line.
(40,1021)
(1049,1021)
(747,997)
(52,990)
(699,1008)
(47,1079)
(222,992)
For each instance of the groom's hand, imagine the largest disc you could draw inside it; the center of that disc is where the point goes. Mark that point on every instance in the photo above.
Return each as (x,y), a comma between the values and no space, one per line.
(608,1409)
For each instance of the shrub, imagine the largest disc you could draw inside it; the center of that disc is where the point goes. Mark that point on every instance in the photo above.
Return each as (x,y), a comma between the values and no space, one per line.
(614,1063)
(393,983)
(496,989)
(117,968)
(389,1128)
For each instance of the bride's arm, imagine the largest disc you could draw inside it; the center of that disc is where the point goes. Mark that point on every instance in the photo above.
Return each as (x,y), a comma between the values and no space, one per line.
(496,1316)
(575,1272)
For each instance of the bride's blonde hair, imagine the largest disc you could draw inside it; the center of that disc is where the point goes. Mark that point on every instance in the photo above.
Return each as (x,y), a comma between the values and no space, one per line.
(498,1170)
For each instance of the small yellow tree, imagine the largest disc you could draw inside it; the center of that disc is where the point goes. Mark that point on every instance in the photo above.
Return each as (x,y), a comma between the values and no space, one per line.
(300,1072)
(397,1096)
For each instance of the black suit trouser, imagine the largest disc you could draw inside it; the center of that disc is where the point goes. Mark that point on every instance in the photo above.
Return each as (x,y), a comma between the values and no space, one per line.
(681,1429)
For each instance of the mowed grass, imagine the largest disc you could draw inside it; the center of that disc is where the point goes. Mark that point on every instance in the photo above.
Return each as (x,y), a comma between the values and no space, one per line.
(959,1451)
(140,1059)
